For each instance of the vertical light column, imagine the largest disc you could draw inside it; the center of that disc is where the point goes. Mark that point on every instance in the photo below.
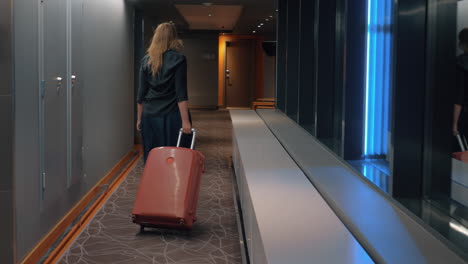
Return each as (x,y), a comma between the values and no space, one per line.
(378,77)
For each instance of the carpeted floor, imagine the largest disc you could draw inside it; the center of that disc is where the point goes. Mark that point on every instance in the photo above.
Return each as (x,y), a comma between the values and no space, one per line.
(111,237)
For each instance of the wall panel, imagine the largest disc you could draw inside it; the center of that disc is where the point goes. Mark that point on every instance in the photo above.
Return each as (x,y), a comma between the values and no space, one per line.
(108,102)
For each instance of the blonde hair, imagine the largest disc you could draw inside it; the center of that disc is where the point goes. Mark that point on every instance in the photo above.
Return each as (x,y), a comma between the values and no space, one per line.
(164,38)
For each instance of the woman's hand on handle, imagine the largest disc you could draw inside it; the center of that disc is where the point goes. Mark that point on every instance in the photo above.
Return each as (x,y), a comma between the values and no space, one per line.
(187,127)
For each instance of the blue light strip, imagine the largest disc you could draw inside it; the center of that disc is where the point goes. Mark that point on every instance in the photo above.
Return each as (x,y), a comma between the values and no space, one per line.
(378,77)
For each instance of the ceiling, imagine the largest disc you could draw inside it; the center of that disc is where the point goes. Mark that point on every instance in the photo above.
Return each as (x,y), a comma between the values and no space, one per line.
(253,12)
(212,17)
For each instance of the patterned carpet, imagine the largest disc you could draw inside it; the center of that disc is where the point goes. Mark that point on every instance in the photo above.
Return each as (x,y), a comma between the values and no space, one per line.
(111,237)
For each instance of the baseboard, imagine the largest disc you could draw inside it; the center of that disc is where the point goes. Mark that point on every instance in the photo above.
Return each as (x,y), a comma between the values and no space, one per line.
(238,108)
(42,248)
(202,107)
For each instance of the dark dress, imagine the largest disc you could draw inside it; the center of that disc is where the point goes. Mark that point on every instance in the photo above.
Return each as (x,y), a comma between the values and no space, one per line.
(462,92)
(160,94)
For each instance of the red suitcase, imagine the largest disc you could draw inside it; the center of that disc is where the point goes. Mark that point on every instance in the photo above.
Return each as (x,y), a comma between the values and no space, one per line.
(168,192)
(463,155)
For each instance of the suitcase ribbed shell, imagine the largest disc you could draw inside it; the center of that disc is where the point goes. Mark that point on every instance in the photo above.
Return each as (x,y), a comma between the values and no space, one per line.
(168,192)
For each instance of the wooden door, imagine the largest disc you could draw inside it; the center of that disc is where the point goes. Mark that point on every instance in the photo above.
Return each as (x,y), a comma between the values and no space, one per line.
(240,73)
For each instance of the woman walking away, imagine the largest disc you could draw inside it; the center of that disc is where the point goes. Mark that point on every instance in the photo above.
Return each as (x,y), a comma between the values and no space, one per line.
(162,94)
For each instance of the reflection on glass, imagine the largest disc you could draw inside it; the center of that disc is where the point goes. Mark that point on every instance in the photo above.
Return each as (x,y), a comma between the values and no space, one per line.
(449,211)
(376,171)
(460,123)
(453,226)
(459,190)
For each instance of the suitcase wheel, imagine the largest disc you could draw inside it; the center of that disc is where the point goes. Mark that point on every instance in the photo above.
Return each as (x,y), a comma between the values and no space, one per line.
(182,221)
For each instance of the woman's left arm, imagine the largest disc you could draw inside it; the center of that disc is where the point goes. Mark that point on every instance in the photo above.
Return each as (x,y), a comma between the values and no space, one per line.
(181,93)
(142,90)
(186,125)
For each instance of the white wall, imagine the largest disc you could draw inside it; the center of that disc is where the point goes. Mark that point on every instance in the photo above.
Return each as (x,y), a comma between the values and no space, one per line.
(6,134)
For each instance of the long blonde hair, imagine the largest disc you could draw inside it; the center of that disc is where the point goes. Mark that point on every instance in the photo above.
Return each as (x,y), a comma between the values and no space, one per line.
(164,38)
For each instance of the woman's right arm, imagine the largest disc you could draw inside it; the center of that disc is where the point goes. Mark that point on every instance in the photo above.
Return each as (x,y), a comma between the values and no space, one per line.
(139,113)
(142,90)
(181,94)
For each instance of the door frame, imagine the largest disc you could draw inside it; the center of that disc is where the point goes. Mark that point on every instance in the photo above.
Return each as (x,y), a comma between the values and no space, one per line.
(259,82)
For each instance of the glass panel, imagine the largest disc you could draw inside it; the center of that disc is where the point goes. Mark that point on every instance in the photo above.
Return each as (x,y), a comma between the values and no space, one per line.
(375,160)
(445,205)
(281,56)
(307,69)
(292,59)
(329,71)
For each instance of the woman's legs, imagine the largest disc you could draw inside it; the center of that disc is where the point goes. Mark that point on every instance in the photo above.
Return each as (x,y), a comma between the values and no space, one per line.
(173,125)
(162,131)
(146,136)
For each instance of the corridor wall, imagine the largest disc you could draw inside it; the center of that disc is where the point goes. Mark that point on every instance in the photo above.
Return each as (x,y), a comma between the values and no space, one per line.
(6,134)
(201,50)
(101,36)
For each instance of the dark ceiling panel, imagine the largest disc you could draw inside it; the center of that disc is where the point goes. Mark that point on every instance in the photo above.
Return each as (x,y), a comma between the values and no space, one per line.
(254,13)
(213,17)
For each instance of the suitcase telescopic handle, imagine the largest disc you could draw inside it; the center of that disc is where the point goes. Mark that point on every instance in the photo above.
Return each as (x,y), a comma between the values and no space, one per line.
(194,133)
(461,142)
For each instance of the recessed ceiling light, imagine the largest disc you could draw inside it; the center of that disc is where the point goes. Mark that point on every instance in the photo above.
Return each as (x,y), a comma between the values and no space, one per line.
(207,4)
(266,19)
(254,31)
(271,16)
(210,15)
(276,10)
(261,24)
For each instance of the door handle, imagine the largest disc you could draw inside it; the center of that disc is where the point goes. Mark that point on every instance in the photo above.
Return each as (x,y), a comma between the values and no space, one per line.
(228,77)
(73,80)
(59,82)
